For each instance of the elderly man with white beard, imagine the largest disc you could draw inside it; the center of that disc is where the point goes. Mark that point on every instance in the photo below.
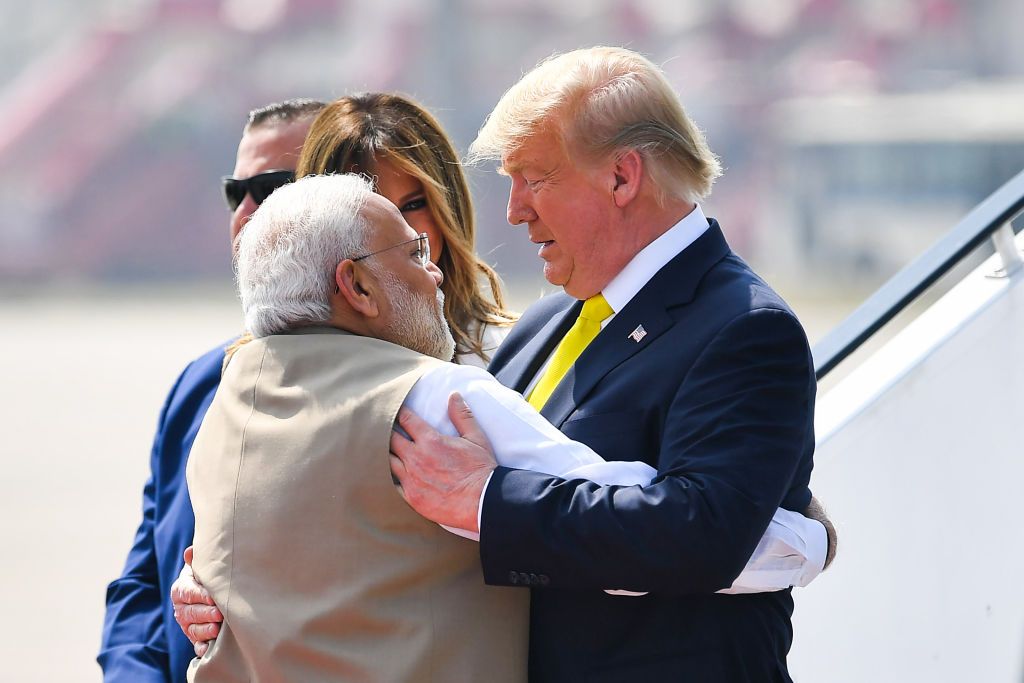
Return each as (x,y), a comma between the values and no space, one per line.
(321,569)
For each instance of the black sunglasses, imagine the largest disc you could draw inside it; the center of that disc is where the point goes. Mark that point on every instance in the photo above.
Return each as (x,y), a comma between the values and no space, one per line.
(259,186)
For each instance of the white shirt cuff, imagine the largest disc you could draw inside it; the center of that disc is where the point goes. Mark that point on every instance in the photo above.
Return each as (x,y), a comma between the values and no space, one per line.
(480,505)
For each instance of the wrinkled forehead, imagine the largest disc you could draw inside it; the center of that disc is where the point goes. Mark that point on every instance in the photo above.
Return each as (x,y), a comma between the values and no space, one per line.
(270,146)
(541,147)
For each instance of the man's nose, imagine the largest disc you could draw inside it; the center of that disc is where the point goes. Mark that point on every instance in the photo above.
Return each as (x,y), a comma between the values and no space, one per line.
(435,272)
(242,215)
(519,208)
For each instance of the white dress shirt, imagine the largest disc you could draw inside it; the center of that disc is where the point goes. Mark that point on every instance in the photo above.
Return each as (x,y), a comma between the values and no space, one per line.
(791,553)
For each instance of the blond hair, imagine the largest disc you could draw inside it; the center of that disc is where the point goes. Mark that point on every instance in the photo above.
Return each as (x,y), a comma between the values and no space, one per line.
(351,132)
(600,102)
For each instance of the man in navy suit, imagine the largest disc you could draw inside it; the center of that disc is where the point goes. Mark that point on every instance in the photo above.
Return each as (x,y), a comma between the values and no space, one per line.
(698,368)
(141,641)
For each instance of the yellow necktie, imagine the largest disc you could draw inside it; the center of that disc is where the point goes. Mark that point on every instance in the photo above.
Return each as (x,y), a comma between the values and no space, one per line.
(583,331)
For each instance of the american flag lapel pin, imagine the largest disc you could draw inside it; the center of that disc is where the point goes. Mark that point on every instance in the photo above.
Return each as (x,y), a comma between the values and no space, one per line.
(638,334)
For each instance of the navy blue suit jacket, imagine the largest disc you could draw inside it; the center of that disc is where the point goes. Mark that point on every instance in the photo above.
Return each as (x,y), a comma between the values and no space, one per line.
(141,641)
(718,395)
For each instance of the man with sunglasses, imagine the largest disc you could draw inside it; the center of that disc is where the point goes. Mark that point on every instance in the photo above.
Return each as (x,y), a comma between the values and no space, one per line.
(141,642)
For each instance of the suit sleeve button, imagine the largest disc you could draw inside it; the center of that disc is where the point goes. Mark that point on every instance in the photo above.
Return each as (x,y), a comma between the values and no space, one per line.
(545,580)
(513,577)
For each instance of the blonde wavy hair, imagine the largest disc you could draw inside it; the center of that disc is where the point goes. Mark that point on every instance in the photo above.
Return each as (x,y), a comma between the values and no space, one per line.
(599,102)
(351,132)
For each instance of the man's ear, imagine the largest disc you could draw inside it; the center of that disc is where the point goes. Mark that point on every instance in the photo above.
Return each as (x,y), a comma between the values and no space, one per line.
(628,174)
(357,287)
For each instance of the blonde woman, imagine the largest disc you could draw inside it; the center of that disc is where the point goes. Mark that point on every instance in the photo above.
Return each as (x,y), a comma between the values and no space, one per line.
(413,164)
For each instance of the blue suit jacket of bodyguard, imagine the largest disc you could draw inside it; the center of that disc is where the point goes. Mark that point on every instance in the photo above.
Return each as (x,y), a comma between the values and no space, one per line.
(141,641)
(718,395)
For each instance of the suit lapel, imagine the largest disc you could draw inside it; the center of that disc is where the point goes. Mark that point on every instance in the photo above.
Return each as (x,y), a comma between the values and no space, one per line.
(672,286)
(524,366)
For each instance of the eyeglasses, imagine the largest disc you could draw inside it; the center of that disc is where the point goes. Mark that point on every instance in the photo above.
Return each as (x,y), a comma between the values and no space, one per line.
(422,249)
(259,186)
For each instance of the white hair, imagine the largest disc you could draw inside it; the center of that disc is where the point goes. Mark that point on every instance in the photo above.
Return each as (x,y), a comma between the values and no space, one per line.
(288,252)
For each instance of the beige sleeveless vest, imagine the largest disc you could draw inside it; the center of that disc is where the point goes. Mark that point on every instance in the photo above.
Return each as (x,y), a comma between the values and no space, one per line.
(322,571)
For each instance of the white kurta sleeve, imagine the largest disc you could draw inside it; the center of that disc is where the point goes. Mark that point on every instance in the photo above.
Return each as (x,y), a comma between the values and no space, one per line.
(791,553)
(520,437)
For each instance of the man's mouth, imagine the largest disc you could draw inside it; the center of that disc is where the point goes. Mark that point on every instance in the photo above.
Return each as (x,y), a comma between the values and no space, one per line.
(544,246)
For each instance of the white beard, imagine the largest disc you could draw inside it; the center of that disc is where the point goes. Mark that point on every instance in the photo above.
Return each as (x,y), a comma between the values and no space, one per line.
(416,324)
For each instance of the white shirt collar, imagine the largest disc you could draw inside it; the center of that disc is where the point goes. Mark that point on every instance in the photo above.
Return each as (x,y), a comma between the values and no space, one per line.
(652,258)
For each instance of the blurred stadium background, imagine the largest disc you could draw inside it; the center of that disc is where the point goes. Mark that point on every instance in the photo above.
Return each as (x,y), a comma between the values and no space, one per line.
(853,133)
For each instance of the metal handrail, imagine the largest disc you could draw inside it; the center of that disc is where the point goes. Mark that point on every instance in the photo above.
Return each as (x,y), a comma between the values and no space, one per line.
(904,287)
